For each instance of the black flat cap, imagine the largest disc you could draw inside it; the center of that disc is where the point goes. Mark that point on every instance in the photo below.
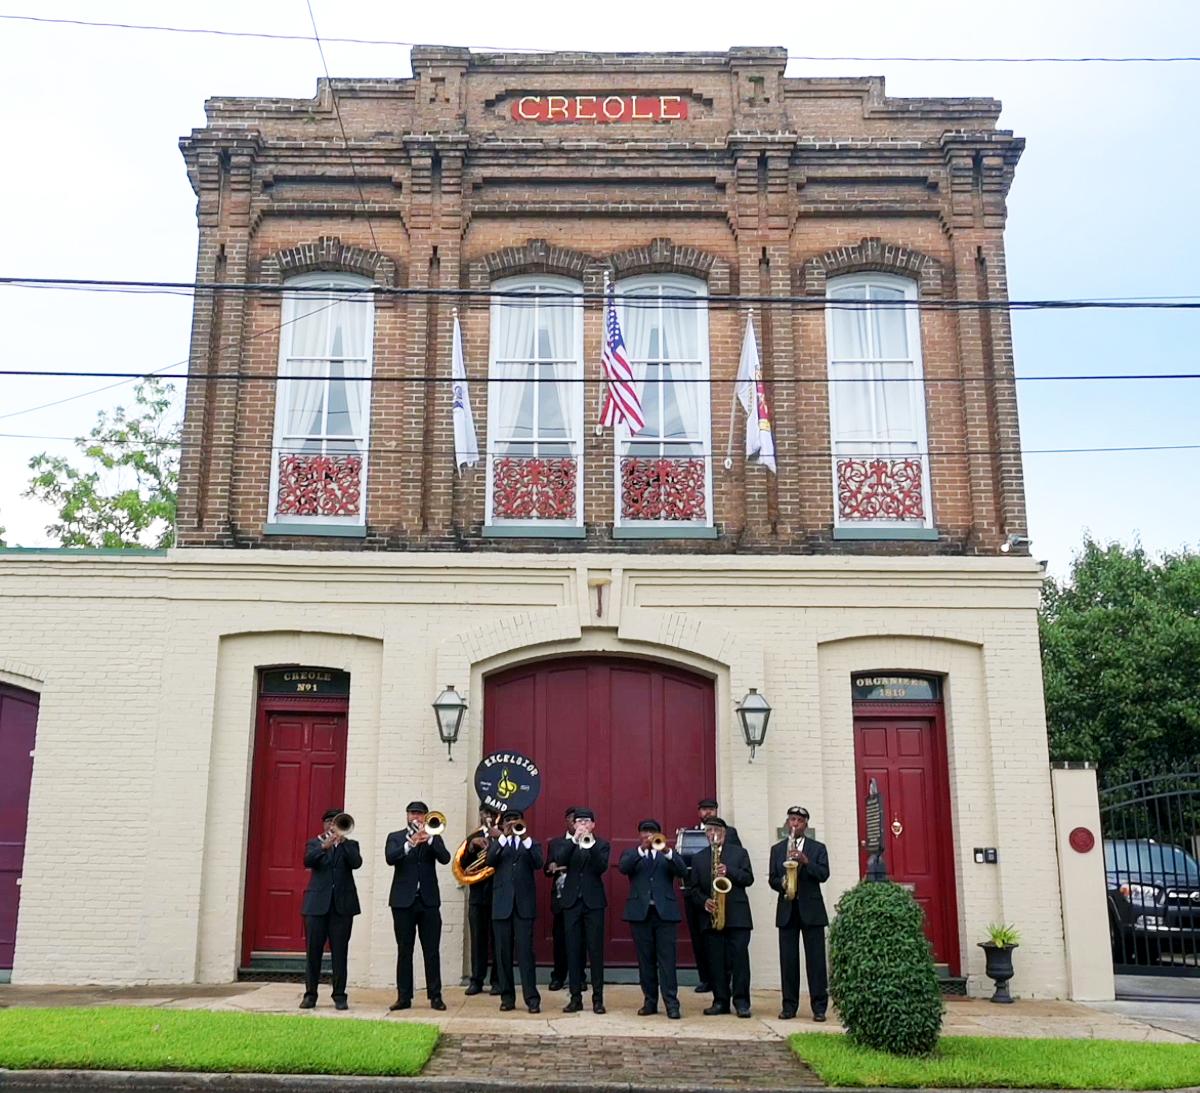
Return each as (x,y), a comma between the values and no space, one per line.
(417,806)
(584,814)
(796,810)
(708,802)
(650,825)
(331,813)
(715,821)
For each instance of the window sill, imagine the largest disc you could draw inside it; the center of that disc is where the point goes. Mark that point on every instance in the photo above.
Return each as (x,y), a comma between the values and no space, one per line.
(661,532)
(897,533)
(532,531)
(333,531)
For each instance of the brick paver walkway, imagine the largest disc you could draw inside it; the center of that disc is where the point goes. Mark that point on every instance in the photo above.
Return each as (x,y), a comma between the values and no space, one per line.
(665,1062)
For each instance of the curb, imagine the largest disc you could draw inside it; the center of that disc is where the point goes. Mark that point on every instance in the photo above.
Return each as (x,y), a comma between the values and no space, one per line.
(160,1081)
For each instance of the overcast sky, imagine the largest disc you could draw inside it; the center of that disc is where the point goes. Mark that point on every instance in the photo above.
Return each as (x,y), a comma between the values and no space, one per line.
(1104,203)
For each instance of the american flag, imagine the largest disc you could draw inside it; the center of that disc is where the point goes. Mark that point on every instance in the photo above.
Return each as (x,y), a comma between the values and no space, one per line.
(621,401)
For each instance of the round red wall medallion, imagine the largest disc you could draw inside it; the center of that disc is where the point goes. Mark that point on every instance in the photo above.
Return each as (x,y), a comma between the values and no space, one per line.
(1082,839)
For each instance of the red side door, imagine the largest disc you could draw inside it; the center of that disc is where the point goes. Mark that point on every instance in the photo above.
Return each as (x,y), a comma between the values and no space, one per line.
(18,727)
(628,739)
(905,753)
(299,772)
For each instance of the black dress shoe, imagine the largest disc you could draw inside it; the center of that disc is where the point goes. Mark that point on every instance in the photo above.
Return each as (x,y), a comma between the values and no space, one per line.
(673,1013)
(647,1010)
(818,1017)
(506,1006)
(308,1002)
(703,988)
(534,1007)
(598,1005)
(575,1005)
(401,1004)
(744,1011)
(494,990)
(716,1010)
(786,1014)
(340,1004)
(557,984)
(436,1004)
(474,988)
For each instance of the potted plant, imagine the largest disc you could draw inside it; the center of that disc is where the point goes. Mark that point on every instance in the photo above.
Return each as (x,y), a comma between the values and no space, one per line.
(1002,939)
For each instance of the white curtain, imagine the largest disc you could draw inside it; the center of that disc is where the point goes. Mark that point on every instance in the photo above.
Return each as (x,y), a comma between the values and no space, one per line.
(349,322)
(304,399)
(510,398)
(557,342)
(681,392)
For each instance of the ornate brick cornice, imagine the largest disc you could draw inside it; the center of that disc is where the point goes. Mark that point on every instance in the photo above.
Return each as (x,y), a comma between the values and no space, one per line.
(328,253)
(534,256)
(872,254)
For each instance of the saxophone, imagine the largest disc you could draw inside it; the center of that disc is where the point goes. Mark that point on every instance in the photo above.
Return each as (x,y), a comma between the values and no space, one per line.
(721,887)
(791,871)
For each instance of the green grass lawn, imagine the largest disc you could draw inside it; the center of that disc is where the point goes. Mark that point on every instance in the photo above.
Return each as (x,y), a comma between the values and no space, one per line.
(970,1061)
(143,1038)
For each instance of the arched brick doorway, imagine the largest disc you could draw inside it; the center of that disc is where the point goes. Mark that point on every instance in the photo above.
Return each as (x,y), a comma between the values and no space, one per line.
(627,738)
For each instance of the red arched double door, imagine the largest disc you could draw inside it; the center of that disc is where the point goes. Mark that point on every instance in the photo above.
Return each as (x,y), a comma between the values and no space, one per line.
(629,739)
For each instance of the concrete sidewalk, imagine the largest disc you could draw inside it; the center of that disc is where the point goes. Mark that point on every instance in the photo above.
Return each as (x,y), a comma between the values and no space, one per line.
(479,1017)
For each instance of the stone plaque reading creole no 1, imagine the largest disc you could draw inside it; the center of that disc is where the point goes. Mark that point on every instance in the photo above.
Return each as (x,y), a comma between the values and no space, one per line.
(317,682)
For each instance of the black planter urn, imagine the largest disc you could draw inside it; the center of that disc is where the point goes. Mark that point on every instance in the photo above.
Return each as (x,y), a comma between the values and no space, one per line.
(999,968)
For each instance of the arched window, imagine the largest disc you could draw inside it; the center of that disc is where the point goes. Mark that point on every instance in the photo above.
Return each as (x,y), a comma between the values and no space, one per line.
(535,406)
(322,405)
(877,403)
(664,471)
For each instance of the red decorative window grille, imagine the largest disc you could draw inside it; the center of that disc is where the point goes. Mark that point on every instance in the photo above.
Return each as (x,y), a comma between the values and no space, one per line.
(662,489)
(880,489)
(319,485)
(534,488)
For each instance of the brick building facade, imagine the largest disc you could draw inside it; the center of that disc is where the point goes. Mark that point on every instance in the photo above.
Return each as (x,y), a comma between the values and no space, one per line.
(602,600)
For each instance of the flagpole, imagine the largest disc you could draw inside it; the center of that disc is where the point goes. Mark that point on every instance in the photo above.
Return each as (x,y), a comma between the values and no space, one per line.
(733,401)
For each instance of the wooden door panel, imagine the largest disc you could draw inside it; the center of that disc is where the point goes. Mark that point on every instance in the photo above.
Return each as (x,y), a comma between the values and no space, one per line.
(18,729)
(629,739)
(299,771)
(906,757)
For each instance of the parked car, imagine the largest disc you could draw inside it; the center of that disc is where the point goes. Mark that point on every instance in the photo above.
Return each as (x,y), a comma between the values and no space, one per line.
(1153,900)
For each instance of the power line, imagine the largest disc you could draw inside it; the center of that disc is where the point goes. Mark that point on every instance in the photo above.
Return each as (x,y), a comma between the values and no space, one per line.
(567,298)
(396,42)
(599,381)
(815,453)
(337,110)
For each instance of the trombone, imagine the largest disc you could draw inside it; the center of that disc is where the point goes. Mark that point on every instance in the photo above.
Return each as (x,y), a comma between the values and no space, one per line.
(435,823)
(585,841)
(659,842)
(343,825)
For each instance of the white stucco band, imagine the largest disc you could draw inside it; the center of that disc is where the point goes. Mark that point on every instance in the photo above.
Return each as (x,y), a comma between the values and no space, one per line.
(148,669)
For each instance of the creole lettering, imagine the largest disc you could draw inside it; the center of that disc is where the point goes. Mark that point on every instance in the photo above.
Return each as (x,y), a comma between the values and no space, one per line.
(896,688)
(599,109)
(305,681)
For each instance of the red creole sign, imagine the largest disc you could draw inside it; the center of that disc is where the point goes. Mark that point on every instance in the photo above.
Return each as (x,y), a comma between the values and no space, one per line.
(600,108)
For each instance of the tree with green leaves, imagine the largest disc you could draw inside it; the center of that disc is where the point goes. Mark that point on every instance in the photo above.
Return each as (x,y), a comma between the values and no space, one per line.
(1120,648)
(123,494)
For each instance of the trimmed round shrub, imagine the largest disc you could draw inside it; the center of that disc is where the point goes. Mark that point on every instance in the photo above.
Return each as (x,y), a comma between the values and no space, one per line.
(882,978)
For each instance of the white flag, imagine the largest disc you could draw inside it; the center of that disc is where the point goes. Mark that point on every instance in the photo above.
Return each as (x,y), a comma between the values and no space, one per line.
(466,447)
(760,442)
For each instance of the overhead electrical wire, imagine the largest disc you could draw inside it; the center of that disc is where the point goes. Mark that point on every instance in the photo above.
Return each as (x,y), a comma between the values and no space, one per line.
(402,43)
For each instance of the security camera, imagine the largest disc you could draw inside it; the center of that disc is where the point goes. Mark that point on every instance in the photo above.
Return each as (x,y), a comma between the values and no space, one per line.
(1014,541)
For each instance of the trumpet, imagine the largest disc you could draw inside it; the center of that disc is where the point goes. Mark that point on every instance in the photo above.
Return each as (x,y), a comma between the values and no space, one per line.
(343,824)
(659,842)
(518,829)
(435,823)
(585,841)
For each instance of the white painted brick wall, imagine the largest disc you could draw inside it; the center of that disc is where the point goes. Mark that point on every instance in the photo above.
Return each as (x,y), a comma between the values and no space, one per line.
(146,668)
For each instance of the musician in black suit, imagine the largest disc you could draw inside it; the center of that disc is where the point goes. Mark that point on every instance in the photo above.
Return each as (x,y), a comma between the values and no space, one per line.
(803,916)
(728,949)
(516,857)
(583,901)
(416,904)
(558,875)
(479,909)
(693,910)
(652,911)
(330,904)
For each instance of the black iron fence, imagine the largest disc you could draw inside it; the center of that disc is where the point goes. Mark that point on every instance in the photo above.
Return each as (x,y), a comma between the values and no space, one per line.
(1151,832)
